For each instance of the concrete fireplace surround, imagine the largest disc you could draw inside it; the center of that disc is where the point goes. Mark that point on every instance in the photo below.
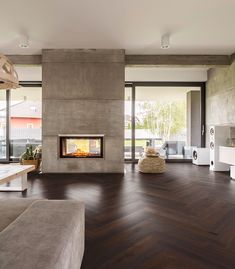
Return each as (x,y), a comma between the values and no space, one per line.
(83,93)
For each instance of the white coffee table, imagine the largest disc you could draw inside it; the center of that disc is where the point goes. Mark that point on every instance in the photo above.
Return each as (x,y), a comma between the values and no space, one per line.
(13,177)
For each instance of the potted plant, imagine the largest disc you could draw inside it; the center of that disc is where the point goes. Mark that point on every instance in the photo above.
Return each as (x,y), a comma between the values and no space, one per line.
(29,157)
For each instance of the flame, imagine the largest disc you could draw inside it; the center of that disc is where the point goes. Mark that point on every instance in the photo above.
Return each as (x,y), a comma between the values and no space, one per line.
(80,153)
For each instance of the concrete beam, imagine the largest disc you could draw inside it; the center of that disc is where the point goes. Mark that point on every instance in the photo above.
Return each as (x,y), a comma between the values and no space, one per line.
(26,59)
(139,60)
(178,60)
(83,56)
(232,57)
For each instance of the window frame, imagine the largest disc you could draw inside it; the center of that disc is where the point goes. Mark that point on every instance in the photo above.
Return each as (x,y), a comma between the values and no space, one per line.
(135,84)
(6,160)
(24,84)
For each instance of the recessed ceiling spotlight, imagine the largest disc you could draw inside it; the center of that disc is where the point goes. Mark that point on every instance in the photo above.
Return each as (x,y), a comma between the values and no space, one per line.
(165,41)
(24,42)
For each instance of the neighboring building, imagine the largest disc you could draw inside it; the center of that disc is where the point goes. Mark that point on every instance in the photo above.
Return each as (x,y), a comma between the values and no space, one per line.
(25,127)
(26,115)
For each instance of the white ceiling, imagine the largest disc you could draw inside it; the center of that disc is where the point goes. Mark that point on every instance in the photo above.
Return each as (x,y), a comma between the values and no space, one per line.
(195,26)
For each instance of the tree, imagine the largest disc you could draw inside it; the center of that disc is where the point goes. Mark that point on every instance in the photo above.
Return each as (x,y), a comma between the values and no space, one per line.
(163,119)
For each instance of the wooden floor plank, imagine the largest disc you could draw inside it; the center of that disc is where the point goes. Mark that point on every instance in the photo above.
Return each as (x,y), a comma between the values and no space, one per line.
(184,218)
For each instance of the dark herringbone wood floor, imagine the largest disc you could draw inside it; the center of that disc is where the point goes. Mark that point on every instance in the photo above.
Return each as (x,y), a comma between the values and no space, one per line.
(182,219)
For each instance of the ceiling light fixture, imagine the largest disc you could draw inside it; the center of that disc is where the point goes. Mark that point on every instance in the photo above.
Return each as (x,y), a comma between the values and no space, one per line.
(165,41)
(24,42)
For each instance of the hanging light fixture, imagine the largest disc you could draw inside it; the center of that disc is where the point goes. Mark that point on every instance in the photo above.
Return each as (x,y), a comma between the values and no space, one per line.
(8,75)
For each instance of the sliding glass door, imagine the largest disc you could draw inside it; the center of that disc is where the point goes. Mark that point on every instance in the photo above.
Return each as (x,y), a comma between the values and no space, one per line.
(168,117)
(128,110)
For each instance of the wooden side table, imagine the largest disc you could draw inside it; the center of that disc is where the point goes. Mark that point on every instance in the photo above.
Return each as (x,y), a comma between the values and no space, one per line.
(13,177)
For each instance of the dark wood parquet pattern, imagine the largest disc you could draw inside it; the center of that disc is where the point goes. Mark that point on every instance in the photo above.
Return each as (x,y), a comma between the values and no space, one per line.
(183,219)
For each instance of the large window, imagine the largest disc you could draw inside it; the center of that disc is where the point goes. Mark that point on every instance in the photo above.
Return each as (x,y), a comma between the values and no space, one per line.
(25,119)
(169,118)
(20,120)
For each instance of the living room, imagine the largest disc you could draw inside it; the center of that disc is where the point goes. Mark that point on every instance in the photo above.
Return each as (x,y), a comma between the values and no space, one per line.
(117,135)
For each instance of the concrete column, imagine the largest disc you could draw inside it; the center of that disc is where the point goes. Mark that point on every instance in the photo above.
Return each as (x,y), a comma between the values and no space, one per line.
(83,93)
(193,118)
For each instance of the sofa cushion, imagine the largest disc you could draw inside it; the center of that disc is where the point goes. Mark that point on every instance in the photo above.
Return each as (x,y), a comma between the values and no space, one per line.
(10,209)
(48,234)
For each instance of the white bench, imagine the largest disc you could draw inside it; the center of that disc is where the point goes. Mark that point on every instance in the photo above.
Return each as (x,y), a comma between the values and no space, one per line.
(13,177)
(227,155)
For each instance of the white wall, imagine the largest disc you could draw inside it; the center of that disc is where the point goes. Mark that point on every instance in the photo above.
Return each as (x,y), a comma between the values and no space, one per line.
(29,73)
(165,74)
(34,73)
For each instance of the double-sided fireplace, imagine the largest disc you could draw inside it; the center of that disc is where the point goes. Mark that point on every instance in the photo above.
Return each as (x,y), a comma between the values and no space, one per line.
(81,146)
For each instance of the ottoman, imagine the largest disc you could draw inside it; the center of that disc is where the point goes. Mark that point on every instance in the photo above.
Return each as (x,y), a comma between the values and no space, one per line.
(41,234)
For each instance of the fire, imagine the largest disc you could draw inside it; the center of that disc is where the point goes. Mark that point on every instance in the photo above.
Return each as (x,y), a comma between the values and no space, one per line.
(80,153)
(81,148)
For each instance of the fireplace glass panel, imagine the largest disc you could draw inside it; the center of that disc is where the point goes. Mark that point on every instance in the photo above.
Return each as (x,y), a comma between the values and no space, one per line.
(81,147)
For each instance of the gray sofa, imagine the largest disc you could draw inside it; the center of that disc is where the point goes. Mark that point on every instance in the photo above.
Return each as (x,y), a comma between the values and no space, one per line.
(41,234)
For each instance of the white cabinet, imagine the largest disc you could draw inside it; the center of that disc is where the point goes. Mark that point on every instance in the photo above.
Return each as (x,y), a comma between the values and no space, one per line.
(227,155)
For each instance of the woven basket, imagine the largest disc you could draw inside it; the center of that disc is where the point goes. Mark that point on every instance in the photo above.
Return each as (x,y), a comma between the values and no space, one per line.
(151,165)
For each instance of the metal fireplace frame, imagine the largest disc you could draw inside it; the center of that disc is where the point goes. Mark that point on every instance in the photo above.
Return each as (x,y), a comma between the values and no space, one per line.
(80,136)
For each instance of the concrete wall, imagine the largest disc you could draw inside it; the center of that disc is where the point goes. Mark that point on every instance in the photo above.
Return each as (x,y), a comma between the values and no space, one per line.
(83,93)
(194,118)
(220,97)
